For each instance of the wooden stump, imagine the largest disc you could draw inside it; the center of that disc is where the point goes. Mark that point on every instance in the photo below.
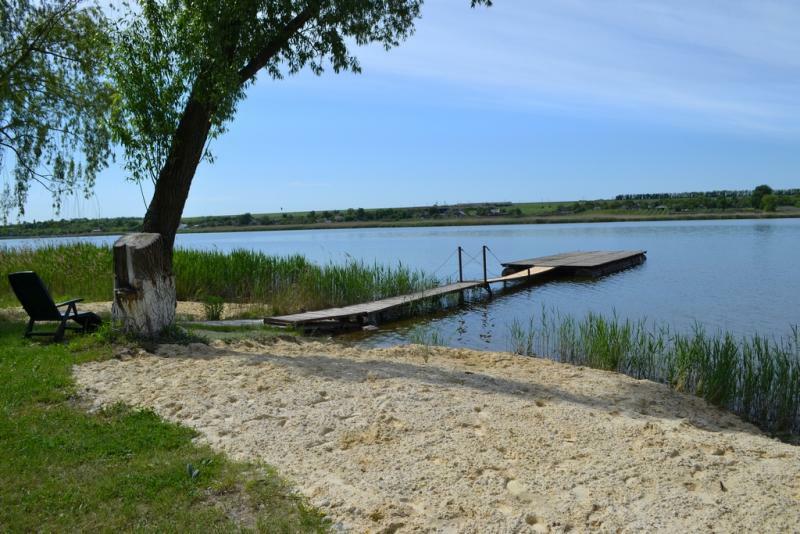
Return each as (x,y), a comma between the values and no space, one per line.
(144,287)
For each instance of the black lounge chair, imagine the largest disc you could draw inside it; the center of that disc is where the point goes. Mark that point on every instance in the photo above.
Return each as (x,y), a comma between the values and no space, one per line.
(39,305)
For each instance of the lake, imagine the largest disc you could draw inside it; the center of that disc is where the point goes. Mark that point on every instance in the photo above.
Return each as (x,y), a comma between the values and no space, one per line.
(742,275)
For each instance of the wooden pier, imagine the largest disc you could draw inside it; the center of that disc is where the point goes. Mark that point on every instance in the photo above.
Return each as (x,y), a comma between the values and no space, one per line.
(595,263)
(366,313)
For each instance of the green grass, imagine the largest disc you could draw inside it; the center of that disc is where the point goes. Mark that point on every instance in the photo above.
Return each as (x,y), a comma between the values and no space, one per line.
(285,284)
(227,333)
(224,328)
(755,377)
(62,469)
(427,336)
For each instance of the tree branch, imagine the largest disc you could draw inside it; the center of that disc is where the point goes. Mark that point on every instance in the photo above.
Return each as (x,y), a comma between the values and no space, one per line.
(277,43)
(38,34)
(54,54)
(34,175)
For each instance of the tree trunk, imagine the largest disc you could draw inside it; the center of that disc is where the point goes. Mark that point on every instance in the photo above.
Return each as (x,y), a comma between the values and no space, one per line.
(152,305)
(144,290)
(172,187)
(144,294)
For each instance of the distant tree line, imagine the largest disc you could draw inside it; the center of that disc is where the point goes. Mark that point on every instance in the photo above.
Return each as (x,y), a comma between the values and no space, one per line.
(744,193)
(80,226)
(762,198)
(359,215)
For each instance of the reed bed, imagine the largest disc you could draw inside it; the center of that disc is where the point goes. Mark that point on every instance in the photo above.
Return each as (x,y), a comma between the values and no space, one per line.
(756,377)
(69,270)
(290,283)
(286,284)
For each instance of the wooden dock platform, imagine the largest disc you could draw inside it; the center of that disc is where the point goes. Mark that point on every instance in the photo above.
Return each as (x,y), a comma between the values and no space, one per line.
(595,263)
(592,263)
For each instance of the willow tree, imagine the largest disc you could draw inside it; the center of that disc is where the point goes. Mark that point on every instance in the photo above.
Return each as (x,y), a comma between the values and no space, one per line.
(180,68)
(54,98)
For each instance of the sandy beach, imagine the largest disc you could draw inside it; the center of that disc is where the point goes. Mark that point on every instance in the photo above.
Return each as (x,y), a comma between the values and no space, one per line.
(418,439)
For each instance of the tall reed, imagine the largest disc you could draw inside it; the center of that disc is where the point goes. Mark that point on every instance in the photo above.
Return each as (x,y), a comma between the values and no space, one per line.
(755,377)
(289,283)
(77,269)
(286,284)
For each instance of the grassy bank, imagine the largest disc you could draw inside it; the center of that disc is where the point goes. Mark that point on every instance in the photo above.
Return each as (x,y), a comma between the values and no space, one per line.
(592,217)
(62,469)
(285,284)
(573,218)
(757,378)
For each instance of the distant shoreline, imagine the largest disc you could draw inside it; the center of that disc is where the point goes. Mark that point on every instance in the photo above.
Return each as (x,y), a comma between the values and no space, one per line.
(461,221)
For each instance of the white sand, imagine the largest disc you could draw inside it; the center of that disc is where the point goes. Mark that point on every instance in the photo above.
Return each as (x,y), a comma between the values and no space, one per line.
(383,440)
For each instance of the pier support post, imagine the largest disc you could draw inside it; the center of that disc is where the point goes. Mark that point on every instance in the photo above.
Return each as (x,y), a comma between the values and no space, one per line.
(485,277)
(484,264)
(460,266)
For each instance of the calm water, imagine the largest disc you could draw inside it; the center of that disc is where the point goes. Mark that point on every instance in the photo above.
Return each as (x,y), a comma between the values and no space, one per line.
(741,276)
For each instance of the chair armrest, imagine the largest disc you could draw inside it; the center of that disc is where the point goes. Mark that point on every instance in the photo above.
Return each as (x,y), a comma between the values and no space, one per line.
(66,302)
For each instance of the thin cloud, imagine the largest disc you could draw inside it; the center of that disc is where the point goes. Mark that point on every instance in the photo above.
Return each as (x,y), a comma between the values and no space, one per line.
(730,64)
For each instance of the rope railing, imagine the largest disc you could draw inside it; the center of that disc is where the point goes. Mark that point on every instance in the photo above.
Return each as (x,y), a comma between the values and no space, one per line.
(445,262)
(473,259)
(466,259)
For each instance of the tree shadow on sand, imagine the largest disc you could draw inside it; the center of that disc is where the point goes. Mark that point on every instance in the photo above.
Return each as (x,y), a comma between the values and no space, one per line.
(636,399)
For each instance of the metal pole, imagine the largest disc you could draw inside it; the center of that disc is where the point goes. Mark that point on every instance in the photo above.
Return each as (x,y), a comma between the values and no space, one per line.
(484,263)
(460,267)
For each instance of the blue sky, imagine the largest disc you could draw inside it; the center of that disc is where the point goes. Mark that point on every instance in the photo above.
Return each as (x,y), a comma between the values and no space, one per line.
(525,101)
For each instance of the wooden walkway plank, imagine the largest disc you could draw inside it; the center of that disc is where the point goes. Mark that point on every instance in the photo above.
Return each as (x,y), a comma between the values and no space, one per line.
(525,273)
(376,306)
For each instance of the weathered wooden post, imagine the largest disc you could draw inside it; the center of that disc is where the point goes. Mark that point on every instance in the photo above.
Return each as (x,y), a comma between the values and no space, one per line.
(144,287)
(460,276)
(485,273)
(485,278)
(460,266)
